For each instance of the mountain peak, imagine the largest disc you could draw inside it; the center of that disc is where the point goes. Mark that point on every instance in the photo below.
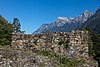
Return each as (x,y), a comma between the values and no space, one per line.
(62,18)
(66,19)
(93,23)
(86,12)
(65,24)
(84,16)
(98,10)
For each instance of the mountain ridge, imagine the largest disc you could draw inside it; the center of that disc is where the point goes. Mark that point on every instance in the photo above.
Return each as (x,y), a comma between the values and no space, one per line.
(93,23)
(64,24)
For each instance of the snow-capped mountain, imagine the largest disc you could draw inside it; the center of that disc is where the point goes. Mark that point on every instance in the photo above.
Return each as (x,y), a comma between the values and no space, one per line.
(82,18)
(64,24)
(93,23)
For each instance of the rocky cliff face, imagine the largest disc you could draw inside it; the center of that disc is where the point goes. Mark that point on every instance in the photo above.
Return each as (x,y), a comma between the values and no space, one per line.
(65,24)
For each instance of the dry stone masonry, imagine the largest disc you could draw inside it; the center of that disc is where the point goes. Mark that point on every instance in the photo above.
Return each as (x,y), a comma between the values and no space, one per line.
(73,44)
(59,49)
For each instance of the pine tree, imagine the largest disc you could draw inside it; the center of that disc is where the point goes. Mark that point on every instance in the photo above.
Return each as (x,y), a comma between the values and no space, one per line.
(16,25)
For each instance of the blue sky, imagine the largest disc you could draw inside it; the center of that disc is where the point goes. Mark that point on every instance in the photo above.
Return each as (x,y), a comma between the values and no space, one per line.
(33,13)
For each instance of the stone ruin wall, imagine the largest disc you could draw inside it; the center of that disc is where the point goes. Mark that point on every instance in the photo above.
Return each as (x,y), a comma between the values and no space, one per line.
(73,44)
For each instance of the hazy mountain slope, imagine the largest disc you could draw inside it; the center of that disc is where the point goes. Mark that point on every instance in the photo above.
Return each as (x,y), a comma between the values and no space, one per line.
(42,29)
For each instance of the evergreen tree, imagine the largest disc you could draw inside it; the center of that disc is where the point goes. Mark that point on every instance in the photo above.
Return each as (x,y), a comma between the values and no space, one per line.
(16,25)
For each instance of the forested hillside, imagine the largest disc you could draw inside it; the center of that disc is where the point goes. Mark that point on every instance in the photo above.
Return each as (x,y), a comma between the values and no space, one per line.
(6,30)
